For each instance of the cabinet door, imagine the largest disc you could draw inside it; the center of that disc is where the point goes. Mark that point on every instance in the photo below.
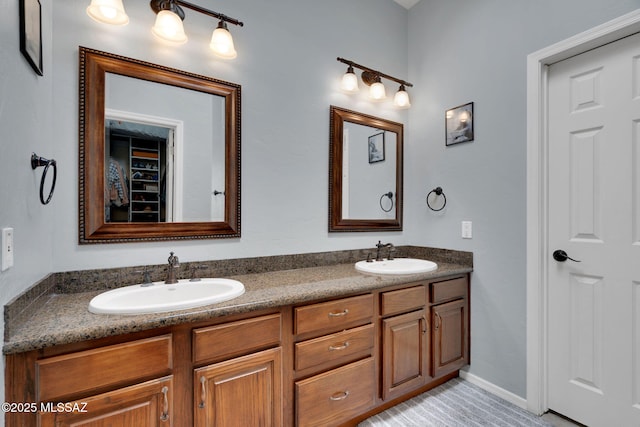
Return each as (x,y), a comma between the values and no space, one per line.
(405,353)
(245,391)
(143,405)
(450,337)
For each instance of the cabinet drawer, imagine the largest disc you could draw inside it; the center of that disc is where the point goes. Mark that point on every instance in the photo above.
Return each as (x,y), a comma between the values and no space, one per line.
(448,290)
(232,339)
(403,300)
(336,396)
(334,315)
(78,373)
(336,347)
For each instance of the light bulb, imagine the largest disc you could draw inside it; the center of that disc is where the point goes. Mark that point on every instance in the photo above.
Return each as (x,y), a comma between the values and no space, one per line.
(108,12)
(377,91)
(169,27)
(349,81)
(222,42)
(401,98)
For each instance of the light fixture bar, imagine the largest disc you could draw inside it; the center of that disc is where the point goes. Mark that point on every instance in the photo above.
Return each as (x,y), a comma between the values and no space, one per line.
(208,12)
(371,70)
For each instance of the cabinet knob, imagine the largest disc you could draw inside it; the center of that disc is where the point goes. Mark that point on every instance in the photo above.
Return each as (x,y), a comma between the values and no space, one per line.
(203,392)
(339,313)
(339,346)
(340,395)
(164,416)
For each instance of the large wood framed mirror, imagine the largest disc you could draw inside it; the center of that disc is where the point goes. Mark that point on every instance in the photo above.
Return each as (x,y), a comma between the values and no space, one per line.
(365,172)
(159,155)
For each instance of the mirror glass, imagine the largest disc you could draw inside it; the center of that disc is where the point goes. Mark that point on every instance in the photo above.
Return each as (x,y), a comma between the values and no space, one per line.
(159,152)
(365,177)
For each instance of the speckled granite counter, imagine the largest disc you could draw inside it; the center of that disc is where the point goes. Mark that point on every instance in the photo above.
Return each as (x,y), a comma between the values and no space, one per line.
(62,318)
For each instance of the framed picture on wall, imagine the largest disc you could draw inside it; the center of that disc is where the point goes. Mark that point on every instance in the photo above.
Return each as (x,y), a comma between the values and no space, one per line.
(459,124)
(31,33)
(376,148)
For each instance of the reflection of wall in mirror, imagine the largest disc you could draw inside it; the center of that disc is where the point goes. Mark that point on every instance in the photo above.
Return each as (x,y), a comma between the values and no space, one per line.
(202,146)
(368,181)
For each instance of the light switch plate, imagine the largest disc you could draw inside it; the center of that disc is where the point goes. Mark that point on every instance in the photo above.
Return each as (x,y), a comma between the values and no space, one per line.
(467,230)
(7,248)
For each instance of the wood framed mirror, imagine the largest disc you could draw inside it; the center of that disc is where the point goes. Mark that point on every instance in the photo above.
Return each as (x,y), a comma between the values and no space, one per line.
(159,153)
(365,172)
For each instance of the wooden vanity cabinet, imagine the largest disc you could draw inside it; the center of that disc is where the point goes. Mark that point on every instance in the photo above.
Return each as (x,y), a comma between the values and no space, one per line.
(244,390)
(65,386)
(405,341)
(334,363)
(145,405)
(450,325)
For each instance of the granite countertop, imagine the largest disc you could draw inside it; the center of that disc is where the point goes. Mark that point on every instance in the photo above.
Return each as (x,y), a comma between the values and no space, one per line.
(64,318)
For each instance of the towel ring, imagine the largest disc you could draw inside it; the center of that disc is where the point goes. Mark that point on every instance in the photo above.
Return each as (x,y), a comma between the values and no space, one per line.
(439,192)
(390,196)
(37,161)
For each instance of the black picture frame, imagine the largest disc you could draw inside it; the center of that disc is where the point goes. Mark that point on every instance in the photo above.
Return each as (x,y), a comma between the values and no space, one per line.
(459,124)
(31,33)
(376,148)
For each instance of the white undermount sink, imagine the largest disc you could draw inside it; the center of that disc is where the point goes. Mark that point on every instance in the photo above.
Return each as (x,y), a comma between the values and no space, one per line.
(159,297)
(396,266)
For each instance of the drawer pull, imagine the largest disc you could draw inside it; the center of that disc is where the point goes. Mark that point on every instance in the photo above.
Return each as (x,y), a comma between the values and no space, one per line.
(340,395)
(203,392)
(339,313)
(438,321)
(339,346)
(164,416)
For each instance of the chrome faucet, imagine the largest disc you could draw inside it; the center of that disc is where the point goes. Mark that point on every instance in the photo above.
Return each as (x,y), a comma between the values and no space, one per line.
(174,262)
(381,245)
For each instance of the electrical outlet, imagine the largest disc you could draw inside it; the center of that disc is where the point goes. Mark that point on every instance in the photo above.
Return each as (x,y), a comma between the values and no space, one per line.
(7,248)
(467,230)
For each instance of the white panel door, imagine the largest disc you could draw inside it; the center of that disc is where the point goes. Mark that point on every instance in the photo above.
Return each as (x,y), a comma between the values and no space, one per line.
(594,216)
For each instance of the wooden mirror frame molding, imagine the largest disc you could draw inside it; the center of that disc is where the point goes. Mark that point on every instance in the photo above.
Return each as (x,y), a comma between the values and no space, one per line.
(92,226)
(336,222)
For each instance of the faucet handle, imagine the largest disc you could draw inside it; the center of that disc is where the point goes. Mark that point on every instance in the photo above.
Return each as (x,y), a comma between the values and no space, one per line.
(173,260)
(392,250)
(195,268)
(146,276)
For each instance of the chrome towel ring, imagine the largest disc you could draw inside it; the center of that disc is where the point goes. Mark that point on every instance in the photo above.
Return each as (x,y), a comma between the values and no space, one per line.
(37,161)
(390,196)
(439,192)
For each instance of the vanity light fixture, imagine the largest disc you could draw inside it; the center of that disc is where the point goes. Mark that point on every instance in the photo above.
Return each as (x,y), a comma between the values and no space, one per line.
(373,79)
(168,25)
(350,81)
(401,98)
(221,41)
(108,12)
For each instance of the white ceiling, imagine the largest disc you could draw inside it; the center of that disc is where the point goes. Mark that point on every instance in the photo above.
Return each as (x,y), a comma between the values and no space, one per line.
(408,4)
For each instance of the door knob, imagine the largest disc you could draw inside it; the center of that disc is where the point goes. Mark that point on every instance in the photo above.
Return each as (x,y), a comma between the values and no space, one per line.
(561,256)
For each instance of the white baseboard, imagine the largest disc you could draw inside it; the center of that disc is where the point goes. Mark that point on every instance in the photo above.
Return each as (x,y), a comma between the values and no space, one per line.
(492,388)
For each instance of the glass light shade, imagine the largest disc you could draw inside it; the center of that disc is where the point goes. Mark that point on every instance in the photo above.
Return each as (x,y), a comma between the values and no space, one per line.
(169,27)
(108,12)
(377,91)
(222,42)
(349,81)
(401,99)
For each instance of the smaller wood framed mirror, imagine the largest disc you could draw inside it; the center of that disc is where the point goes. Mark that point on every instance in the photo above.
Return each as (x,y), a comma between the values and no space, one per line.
(365,172)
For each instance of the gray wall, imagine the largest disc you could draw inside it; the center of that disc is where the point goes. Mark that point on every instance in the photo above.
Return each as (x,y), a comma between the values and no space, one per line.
(289,75)
(470,50)
(287,67)
(454,51)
